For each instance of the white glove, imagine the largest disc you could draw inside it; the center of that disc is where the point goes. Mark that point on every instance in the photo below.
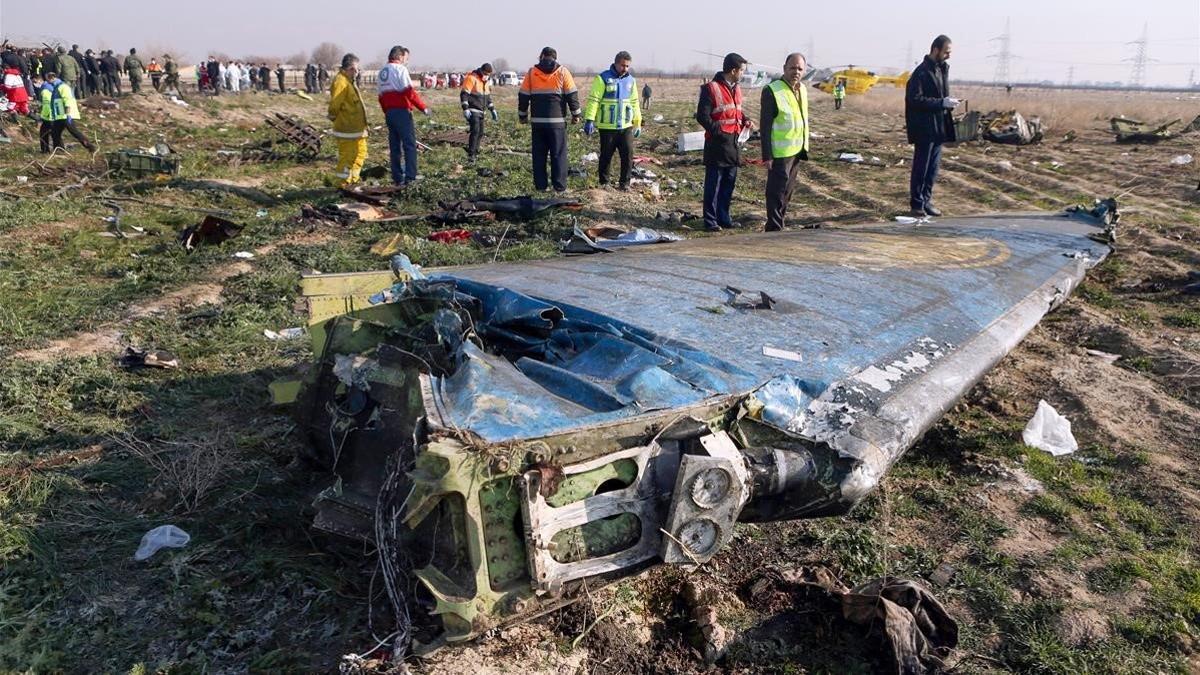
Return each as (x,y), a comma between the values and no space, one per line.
(950,103)
(467,114)
(428,112)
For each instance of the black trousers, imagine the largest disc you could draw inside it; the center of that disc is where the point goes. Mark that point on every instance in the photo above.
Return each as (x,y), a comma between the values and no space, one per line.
(781,180)
(114,84)
(550,142)
(616,141)
(476,126)
(93,84)
(281,88)
(927,157)
(51,135)
(156,81)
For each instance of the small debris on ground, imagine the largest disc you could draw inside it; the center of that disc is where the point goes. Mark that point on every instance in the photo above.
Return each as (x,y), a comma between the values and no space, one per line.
(163,536)
(147,358)
(1049,431)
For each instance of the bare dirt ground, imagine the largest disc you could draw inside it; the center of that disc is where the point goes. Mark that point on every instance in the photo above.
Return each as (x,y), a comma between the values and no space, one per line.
(1078,564)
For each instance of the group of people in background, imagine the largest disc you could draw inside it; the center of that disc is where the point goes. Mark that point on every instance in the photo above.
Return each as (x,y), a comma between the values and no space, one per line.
(88,72)
(214,76)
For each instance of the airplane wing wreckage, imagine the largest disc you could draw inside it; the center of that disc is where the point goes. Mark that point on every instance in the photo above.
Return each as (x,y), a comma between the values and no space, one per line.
(502,433)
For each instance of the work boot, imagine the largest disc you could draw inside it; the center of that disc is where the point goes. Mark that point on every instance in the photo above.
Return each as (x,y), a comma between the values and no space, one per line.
(919,214)
(932,211)
(623,187)
(712,228)
(733,225)
(772,228)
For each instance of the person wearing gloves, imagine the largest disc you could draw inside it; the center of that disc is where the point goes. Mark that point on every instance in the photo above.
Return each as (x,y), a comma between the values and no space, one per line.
(929,121)
(59,111)
(476,98)
(398,97)
(349,116)
(613,108)
(547,95)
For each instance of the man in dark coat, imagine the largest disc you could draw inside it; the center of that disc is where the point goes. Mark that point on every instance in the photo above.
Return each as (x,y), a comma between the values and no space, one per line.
(264,77)
(214,75)
(930,123)
(279,73)
(91,72)
(723,123)
(112,71)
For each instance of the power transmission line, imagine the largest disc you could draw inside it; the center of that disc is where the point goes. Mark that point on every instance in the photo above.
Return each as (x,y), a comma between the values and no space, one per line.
(1138,76)
(1070,76)
(1004,58)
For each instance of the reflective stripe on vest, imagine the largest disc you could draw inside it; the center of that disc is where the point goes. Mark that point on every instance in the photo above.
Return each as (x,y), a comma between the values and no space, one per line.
(616,107)
(727,107)
(789,131)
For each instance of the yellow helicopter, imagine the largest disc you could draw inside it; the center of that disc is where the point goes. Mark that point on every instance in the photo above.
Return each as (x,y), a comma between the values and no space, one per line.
(857,80)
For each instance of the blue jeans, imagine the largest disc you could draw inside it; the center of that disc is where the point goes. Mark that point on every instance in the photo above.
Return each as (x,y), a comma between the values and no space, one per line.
(718,193)
(402,143)
(926,158)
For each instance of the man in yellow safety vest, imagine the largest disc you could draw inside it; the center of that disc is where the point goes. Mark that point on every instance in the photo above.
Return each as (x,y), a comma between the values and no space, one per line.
(784,124)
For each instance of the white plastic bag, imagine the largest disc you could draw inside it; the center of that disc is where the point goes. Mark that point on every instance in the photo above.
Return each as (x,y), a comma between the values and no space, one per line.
(1049,431)
(163,536)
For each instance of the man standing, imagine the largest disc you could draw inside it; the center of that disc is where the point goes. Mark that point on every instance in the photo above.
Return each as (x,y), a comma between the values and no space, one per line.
(398,98)
(930,123)
(156,72)
(839,93)
(476,100)
(310,79)
(253,70)
(322,77)
(264,77)
(646,92)
(214,75)
(91,72)
(59,112)
(349,117)
(719,111)
(279,73)
(68,68)
(134,68)
(113,68)
(548,92)
(105,78)
(80,83)
(171,69)
(234,73)
(784,124)
(613,107)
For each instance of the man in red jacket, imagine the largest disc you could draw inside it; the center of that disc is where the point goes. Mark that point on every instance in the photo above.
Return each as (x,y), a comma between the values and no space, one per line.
(398,97)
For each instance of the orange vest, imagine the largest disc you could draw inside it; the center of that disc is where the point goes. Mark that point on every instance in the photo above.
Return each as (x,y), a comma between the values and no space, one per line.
(727,107)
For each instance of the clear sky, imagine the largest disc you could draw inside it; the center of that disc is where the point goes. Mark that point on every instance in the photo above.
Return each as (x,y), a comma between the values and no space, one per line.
(1048,37)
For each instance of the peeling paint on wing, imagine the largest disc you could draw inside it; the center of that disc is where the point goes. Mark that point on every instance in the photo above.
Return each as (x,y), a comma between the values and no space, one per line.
(883,378)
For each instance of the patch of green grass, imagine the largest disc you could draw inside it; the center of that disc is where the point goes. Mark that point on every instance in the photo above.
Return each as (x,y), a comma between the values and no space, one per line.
(1097,295)
(1189,319)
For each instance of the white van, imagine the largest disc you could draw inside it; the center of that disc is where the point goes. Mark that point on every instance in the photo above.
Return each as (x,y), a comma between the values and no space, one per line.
(508,78)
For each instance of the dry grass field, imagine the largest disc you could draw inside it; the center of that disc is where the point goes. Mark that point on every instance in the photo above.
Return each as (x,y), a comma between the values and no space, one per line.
(1085,563)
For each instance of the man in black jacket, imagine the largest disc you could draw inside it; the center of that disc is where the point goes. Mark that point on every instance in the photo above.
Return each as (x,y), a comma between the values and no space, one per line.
(930,123)
(723,121)
(91,72)
(214,75)
(112,71)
